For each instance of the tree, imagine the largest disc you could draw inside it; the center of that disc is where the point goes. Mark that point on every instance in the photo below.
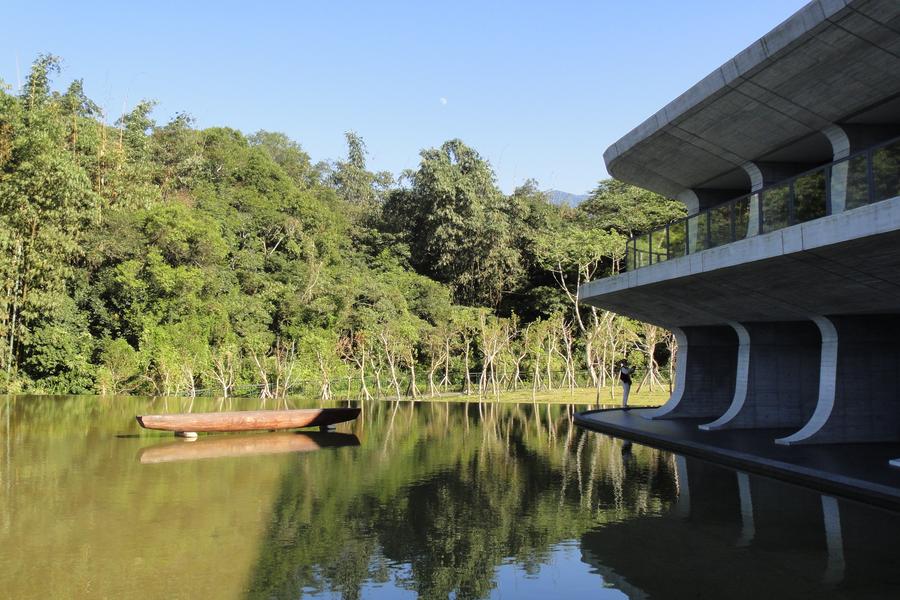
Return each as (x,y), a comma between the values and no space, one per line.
(453,218)
(629,210)
(352,181)
(576,255)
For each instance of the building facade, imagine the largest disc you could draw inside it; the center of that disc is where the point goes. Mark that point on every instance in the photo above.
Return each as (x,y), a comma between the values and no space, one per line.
(783,284)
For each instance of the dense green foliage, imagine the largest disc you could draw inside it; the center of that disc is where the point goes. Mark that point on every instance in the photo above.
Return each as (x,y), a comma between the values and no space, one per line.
(164,259)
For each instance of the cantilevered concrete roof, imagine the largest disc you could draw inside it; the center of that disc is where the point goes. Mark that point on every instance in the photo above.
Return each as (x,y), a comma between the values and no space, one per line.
(829,62)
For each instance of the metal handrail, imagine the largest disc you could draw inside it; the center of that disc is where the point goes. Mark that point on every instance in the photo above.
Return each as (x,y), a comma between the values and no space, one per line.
(698,232)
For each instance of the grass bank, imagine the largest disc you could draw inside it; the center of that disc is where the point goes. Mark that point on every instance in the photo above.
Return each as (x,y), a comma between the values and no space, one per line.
(583,395)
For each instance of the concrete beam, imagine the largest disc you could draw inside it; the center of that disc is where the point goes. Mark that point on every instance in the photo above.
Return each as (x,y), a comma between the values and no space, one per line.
(707,363)
(859,386)
(778,387)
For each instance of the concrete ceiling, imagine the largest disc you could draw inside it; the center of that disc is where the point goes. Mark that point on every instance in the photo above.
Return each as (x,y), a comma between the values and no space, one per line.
(828,63)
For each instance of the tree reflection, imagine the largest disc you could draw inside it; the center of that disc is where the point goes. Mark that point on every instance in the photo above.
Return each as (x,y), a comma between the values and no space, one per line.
(438,507)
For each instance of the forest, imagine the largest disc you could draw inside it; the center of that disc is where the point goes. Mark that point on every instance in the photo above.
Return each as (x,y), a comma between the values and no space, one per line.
(157,258)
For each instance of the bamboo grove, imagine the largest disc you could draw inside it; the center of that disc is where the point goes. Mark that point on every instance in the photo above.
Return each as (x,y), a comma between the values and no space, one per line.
(163,259)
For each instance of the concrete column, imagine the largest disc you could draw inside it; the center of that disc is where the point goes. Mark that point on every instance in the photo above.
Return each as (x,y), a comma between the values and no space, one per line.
(859,382)
(840,141)
(705,378)
(690,200)
(840,145)
(756,176)
(777,376)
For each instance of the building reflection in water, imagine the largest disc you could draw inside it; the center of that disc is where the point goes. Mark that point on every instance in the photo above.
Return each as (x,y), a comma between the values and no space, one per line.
(734,535)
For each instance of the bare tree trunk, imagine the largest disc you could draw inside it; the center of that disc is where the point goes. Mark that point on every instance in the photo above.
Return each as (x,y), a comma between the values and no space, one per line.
(672,346)
(362,374)
(445,382)
(325,384)
(468,388)
(265,391)
(413,387)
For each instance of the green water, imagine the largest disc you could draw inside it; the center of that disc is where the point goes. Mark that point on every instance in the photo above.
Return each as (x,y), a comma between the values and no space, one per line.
(430,500)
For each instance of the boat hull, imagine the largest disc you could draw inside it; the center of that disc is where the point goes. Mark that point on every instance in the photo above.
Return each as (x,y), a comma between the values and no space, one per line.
(248,420)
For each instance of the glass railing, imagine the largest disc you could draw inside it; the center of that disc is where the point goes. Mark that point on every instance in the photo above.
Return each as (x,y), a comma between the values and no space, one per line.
(862,178)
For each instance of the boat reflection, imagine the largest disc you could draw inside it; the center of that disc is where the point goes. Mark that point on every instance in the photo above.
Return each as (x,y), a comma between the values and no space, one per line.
(243,445)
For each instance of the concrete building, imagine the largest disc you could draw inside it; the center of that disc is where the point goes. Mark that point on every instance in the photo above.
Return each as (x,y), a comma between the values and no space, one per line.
(783,283)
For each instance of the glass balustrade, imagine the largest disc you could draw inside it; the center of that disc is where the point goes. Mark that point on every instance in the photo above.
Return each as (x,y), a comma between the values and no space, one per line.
(659,245)
(678,239)
(886,172)
(776,209)
(809,196)
(868,176)
(698,232)
(720,225)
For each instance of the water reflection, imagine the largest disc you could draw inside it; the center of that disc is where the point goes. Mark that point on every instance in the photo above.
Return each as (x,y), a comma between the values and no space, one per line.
(739,536)
(436,500)
(231,446)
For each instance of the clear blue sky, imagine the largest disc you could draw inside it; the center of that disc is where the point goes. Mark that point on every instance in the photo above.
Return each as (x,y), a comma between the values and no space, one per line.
(538,88)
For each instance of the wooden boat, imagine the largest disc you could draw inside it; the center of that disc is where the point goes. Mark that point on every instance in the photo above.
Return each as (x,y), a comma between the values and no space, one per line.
(244,445)
(248,420)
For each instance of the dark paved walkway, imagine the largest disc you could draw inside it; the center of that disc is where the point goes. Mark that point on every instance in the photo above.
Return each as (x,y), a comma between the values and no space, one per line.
(857,471)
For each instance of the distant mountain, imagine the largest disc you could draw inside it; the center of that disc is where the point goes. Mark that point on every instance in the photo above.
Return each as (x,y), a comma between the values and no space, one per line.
(565,198)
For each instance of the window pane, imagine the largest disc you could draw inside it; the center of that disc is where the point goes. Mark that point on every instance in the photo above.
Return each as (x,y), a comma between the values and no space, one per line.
(886,171)
(642,251)
(775,208)
(809,196)
(697,232)
(659,246)
(857,185)
(678,239)
(720,224)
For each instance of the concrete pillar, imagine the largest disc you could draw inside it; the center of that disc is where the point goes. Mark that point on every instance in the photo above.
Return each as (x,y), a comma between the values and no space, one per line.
(705,378)
(777,376)
(859,382)
(840,145)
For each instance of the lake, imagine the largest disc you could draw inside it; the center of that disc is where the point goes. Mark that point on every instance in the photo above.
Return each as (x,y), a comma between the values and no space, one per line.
(430,500)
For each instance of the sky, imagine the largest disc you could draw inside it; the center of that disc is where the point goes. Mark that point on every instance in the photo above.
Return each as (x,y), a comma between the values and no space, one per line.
(540,89)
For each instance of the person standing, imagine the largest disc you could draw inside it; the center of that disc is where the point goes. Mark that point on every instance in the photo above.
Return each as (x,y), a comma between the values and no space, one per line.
(625,373)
